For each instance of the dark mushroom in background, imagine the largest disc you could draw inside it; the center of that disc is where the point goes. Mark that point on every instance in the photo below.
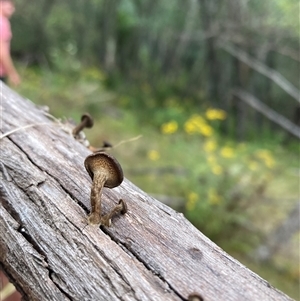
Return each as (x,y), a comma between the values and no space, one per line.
(86,122)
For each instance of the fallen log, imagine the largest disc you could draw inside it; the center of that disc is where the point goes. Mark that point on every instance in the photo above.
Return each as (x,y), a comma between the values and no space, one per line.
(49,252)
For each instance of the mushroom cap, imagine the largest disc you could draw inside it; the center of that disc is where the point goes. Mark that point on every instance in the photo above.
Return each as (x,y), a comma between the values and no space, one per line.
(89,120)
(106,163)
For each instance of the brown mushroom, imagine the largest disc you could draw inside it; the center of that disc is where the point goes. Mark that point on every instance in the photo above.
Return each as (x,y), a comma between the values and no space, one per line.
(106,145)
(121,207)
(86,122)
(195,297)
(105,171)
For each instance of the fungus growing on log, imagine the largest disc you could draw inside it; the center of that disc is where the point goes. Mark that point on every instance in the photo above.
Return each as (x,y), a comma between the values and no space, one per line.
(105,171)
(86,122)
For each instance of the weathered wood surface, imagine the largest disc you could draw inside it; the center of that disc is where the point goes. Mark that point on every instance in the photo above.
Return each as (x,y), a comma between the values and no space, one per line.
(50,253)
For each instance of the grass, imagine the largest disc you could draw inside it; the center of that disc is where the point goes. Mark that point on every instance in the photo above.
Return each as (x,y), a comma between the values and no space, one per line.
(235,193)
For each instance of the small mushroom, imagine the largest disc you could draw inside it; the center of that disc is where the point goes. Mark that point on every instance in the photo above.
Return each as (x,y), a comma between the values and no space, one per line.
(195,297)
(105,171)
(106,145)
(121,207)
(86,122)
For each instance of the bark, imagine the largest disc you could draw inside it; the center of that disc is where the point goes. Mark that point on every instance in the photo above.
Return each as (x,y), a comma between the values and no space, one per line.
(50,253)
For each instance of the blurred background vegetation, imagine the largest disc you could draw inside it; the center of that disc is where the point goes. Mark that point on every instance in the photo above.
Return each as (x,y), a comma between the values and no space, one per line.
(167,70)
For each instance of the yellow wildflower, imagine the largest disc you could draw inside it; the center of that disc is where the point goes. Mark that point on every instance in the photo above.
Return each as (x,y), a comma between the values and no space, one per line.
(189,127)
(213,197)
(253,165)
(227,152)
(266,157)
(193,123)
(192,199)
(153,155)
(262,153)
(206,130)
(211,159)
(217,169)
(197,119)
(197,124)
(169,127)
(269,162)
(213,114)
(210,146)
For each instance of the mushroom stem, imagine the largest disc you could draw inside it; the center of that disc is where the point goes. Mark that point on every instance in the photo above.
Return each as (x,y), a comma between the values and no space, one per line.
(80,127)
(98,183)
(105,171)
(121,207)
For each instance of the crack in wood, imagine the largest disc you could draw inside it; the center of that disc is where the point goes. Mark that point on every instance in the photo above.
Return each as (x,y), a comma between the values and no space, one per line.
(40,183)
(42,259)
(23,231)
(117,270)
(131,252)
(40,256)
(4,173)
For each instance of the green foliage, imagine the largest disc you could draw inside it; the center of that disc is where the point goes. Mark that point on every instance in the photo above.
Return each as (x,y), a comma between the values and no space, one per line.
(154,50)
(60,20)
(70,92)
